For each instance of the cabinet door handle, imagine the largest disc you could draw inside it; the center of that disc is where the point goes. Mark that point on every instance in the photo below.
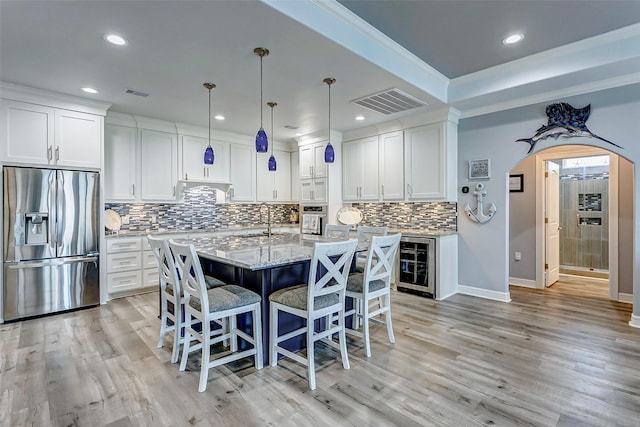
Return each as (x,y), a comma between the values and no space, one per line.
(49,153)
(409,189)
(382,190)
(57,153)
(133,189)
(174,190)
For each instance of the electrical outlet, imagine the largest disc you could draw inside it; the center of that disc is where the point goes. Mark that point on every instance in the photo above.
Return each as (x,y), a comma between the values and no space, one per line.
(125,219)
(154,218)
(517,256)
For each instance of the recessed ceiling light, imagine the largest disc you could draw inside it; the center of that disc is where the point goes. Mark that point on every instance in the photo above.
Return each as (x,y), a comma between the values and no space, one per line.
(219,117)
(359,117)
(513,38)
(115,39)
(90,90)
(299,134)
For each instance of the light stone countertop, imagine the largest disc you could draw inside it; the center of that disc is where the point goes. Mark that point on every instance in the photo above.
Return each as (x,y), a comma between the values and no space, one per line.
(257,253)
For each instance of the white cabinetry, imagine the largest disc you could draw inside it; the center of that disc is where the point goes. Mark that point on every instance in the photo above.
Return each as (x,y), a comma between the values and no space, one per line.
(391,165)
(192,160)
(120,162)
(313,190)
(273,185)
(425,166)
(312,163)
(295,176)
(158,165)
(242,173)
(360,169)
(131,265)
(50,136)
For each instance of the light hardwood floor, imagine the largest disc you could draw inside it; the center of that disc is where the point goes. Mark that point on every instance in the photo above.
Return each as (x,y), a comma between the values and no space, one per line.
(543,359)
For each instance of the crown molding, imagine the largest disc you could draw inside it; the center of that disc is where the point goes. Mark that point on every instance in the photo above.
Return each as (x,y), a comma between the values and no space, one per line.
(49,98)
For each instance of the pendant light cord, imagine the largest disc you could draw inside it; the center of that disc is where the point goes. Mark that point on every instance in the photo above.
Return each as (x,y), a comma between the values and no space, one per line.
(329,113)
(209,117)
(261,56)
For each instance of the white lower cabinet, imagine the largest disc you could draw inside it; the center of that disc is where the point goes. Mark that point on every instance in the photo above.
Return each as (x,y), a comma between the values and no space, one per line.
(131,266)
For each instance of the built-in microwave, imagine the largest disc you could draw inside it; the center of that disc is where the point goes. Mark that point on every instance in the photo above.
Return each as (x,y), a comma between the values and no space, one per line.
(416,266)
(313,219)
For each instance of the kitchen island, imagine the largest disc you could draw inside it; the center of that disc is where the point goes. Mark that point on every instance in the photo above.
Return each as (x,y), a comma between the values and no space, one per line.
(263,265)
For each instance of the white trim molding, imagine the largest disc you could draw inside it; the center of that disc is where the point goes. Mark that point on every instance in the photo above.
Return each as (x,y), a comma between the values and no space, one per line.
(484,293)
(635,321)
(526,283)
(628,298)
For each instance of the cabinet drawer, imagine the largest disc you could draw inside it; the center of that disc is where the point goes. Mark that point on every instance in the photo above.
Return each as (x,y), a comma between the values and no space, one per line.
(150,277)
(124,262)
(126,281)
(149,260)
(124,244)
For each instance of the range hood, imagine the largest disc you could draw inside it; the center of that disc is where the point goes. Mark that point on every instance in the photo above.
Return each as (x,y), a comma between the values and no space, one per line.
(221,187)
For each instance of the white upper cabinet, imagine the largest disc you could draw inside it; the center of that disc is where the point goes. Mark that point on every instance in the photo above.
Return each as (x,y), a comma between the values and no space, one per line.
(192,159)
(78,139)
(295,176)
(391,165)
(242,173)
(312,163)
(360,169)
(49,136)
(158,165)
(120,162)
(425,162)
(273,185)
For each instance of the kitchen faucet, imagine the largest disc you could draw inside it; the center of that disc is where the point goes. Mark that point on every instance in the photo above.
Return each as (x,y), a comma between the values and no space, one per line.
(268,217)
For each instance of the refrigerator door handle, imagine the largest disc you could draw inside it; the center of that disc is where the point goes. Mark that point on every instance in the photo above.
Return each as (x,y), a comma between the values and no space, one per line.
(17,265)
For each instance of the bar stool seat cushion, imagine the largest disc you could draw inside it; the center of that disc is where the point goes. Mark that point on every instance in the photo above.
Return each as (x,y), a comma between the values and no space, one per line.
(225,298)
(354,283)
(296,297)
(211,282)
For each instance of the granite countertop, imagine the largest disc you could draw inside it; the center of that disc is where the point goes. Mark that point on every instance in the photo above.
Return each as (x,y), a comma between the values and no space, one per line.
(421,232)
(240,229)
(257,253)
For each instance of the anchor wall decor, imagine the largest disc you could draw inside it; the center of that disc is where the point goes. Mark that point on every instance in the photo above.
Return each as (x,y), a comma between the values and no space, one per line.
(478,214)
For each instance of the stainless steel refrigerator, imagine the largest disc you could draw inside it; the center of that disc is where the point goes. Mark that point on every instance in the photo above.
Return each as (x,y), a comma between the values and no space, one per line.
(51,238)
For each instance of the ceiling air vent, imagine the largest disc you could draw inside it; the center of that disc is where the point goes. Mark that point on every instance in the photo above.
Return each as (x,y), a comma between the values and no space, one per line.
(389,101)
(137,93)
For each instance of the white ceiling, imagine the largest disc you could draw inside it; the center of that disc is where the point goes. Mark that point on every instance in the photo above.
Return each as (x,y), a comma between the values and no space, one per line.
(452,55)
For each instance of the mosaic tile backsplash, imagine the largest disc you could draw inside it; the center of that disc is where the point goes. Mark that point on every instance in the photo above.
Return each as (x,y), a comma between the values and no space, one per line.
(441,216)
(199,211)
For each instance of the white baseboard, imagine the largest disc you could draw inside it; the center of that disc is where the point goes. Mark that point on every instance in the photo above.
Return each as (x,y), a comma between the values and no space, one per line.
(443,297)
(635,321)
(526,283)
(625,298)
(484,293)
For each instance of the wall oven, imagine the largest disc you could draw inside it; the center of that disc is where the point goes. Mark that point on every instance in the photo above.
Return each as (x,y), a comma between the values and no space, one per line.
(416,266)
(313,219)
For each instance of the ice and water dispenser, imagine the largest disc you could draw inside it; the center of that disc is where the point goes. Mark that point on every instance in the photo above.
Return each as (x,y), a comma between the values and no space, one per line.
(31,228)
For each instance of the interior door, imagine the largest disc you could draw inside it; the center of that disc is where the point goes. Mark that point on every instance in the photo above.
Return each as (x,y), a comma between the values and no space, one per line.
(552,223)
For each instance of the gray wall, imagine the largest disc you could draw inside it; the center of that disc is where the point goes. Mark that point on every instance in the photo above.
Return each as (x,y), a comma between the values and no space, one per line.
(625,226)
(484,254)
(522,223)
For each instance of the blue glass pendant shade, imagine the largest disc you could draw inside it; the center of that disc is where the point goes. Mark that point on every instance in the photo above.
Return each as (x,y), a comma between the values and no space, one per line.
(208,156)
(272,163)
(329,154)
(262,143)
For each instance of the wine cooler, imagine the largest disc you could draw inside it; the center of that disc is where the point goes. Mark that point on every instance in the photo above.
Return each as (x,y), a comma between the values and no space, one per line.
(416,267)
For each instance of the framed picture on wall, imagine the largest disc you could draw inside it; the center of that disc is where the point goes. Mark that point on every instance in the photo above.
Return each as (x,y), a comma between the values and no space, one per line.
(479,169)
(516,183)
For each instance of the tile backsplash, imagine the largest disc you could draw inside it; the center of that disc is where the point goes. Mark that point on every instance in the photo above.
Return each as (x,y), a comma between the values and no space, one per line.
(441,216)
(199,211)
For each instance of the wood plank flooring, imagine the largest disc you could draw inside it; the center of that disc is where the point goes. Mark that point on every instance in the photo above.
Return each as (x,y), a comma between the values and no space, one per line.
(545,359)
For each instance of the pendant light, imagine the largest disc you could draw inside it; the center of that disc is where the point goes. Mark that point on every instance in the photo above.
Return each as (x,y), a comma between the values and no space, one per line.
(272,159)
(262,142)
(208,152)
(329,154)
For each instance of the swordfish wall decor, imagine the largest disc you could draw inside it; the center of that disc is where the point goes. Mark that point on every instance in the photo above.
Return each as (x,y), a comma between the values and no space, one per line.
(564,122)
